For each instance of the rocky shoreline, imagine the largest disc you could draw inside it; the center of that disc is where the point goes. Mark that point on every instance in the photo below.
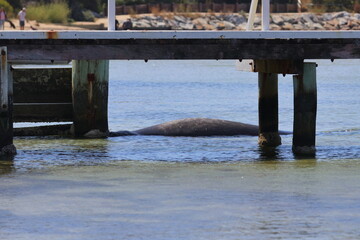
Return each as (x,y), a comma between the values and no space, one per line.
(237,21)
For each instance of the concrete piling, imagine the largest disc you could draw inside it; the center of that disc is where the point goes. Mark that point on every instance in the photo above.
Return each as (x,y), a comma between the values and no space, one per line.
(90,83)
(305,106)
(268,110)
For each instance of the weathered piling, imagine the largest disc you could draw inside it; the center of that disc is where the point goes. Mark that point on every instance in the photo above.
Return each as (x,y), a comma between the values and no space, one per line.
(305,105)
(42,94)
(90,83)
(268,110)
(6,104)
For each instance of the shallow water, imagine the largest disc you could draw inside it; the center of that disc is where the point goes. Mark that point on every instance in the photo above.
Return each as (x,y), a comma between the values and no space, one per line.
(153,187)
(302,199)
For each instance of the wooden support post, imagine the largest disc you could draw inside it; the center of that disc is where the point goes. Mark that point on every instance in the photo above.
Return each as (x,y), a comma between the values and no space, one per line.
(265,6)
(90,84)
(252,13)
(6,106)
(111,15)
(268,110)
(305,104)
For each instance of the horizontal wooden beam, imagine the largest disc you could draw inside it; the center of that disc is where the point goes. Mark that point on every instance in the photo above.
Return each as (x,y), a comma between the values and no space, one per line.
(183,49)
(59,129)
(43,112)
(42,85)
(278,66)
(176,34)
(146,45)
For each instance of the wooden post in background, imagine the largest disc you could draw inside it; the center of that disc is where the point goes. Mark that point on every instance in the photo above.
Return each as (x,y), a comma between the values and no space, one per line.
(6,106)
(305,105)
(265,14)
(268,110)
(111,15)
(90,84)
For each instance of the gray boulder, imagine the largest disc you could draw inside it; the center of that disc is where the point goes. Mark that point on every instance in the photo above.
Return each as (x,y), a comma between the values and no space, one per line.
(278,20)
(200,21)
(328,16)
(307,18)
(180,19)
(236,19)
(142,23)
(343,14)
(186,26)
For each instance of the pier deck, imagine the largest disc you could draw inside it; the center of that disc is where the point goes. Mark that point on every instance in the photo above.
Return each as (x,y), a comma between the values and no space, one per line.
(78,45)
(272,52)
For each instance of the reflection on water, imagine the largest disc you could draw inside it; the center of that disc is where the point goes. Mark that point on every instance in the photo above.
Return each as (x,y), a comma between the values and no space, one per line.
(269,153)
(6,164)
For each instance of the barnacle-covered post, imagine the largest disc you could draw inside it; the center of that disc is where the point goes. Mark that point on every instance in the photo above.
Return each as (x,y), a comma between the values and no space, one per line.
(6,106)
(305,106)
(90,87)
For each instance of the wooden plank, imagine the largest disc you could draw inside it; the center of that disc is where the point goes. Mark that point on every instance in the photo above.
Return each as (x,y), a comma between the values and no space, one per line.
(43,112)
(42,85)
(291,49)
(271,66)
(176,34)
(278,66)
(59,129)
(39,62)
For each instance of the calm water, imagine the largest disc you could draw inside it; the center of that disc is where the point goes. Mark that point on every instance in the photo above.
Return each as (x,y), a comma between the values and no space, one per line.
(148,187)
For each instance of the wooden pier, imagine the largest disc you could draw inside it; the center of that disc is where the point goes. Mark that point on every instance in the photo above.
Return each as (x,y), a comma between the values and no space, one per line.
(271,52)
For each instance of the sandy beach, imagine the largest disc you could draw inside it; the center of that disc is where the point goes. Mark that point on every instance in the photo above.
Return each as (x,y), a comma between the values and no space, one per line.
(34,25)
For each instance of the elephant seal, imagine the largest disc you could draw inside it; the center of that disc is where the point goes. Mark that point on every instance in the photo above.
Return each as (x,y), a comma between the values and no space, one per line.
(196,127)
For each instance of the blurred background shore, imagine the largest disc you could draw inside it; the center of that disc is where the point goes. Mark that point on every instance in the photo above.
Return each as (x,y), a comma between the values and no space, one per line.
(183,15)
(209,21)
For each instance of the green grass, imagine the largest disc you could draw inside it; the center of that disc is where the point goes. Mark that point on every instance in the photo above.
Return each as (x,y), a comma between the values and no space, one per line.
(57,12)
(8,8)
